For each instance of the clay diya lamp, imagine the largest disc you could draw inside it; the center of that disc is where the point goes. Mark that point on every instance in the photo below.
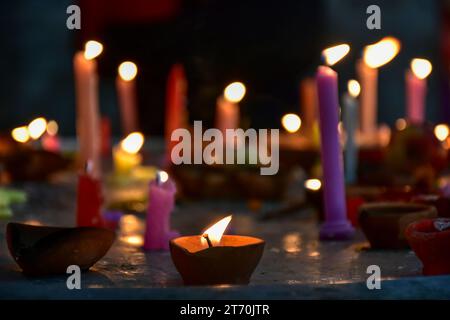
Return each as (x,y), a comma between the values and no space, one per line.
(42,250)
(441,203)
(384,223)
(213,259)
(430,240)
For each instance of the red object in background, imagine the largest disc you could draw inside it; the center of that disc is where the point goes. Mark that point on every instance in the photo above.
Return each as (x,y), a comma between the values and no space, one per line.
(431,246)
(89,202)
(176,92)
(353,205)
(105,131)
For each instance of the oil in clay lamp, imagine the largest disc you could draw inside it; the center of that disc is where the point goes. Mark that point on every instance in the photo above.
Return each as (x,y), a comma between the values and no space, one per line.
(43,250)
(213,258)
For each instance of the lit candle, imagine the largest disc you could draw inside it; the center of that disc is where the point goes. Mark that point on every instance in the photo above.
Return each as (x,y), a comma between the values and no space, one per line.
(374,56)
(350,120)
(126,154)
(20,134)
(291,122)
(126,93)
(89,199)
(161,203)
(336,225)
(175,105)
(50,140)
(227,111)
(416,89)
(88,118)
(308,98)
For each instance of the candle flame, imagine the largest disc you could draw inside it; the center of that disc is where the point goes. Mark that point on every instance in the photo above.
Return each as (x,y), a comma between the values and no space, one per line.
(92,49)
(421,68)
(354,88)
(215,232)
(235,92)
(163,176)
(441,131)
(291,122)
(313,184)
(380,53)
(400,124)
(20,134)
(52,128)
(127,70)
(334,54)
(37,127)
(133,142)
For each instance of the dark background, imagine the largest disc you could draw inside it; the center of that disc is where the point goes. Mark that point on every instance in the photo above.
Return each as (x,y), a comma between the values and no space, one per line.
(268,45)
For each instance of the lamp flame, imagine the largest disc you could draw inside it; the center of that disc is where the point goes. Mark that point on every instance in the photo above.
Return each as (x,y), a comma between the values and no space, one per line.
(215,232)
(441,131)
(37,127)
(334,54)
(133,142)
(421,68)
(235,92)
(291,122)
(127,70)
(313,184)
(353,88)
(380,53)
(20,134)
(92,49)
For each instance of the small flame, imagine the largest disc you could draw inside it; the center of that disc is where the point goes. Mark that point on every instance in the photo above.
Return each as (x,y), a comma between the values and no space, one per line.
(313,184)
(127,70)
(52,128)
(354,88)
(163,176)
(291,122)
(92,49)
(20,134)
(380,53)
(235,92)
(216,231)
(421,68)
(441,131)
(133,142)
(400,124)
(37,127)
(334,54)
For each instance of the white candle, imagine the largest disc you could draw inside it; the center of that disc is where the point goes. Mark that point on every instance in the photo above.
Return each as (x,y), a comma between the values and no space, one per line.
(416,90)
(88,119)
(350,121)
(126,93)
(227,111)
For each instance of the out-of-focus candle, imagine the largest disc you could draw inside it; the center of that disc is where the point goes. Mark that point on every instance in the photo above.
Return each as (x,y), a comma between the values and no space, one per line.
(50,140)
(88,117)
(126,93)
(350,121)
(20,134)
(308,103)
(227,111)
(161,203)
(416,89)
(89,200)
(336,225)
(126,154)
(176,93)
(374,56)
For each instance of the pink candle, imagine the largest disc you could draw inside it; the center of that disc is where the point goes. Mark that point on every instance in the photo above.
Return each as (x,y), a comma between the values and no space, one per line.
(227,110)
(336,225)
(176,93)
(126,93)
(88,119)
(416,90)
(50,140)
(161,203)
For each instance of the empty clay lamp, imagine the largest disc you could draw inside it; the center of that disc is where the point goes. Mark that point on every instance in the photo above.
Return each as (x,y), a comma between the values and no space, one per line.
(41,250)
(430,240)
(384,223)
(212,259)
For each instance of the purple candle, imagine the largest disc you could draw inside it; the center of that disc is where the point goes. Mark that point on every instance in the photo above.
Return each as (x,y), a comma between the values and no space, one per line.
(161,203)
(336,226)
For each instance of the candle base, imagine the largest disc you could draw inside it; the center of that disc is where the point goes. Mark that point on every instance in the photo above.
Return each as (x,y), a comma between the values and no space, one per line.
(342,230)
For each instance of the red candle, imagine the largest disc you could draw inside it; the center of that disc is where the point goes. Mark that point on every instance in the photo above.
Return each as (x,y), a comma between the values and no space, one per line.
(126,93)
(416,89)
(89,201)
(175,104)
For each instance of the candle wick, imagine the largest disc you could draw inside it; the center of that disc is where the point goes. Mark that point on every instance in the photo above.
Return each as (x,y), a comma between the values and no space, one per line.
(207,240)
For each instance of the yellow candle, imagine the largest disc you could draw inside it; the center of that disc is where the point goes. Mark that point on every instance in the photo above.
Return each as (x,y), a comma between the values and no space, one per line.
(126,154)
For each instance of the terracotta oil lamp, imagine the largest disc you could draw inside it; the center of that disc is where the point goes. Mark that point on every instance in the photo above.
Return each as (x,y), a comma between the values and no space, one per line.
(42,250)
(213,259)
(430,240)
